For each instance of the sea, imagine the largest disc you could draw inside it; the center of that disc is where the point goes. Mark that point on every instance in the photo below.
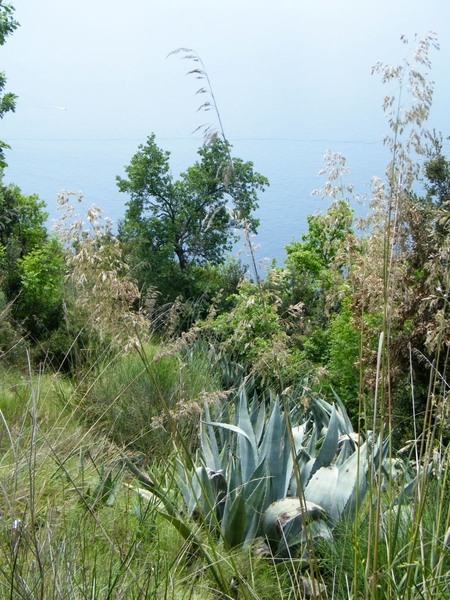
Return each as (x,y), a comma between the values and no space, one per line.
(47,166)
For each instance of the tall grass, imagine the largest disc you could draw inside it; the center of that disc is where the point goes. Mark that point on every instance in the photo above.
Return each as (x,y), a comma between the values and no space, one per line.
(125,398)
(69,526)
(398,544)
(75,524)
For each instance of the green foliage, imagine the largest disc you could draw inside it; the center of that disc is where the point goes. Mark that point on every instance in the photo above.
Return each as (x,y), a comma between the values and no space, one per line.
(316,272)
(252,327)
(344,351)
(27,258)
(22,229)
(252,331)
(172,225)
(7,22)
(311,262)
(7,100)
(102,311)
(42,271)
(22,219)
(437,172)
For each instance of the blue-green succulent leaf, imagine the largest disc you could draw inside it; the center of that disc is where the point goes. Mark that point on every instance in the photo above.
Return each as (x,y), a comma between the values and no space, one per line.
(234,527)
(321,488)
(329,445)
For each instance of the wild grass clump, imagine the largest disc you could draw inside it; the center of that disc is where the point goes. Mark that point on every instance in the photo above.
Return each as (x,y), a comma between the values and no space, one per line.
(132,403)
(70,527)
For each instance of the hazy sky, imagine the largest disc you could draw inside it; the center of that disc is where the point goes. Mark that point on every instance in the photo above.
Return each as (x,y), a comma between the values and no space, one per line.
(285,68)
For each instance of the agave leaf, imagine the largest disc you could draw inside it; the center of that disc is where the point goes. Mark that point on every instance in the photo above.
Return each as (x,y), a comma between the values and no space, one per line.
(298,433)
(272,450)
(255,506)
(296,535)
(289,516)
(233,527)
(346,424)
(243,420)
(234,474)
(146,495)
(260,422)
(248,453)
(306,471)
(347,447)
(321,488)
(186,492)
(314,435)
(329,445)
(209,445)
(203,498)
(227,426)
(221,414)
(234,481)
(352,483)
(321,411)
(260,473)
(246,450)
(291,482)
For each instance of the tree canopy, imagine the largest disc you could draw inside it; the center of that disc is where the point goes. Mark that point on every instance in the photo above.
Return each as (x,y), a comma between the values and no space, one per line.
(172,226)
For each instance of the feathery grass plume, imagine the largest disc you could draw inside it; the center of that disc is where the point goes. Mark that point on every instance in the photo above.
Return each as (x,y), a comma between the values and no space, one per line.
(386,299)
(105,292)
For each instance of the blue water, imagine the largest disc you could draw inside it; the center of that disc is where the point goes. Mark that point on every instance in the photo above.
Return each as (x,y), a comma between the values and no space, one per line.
(45,166)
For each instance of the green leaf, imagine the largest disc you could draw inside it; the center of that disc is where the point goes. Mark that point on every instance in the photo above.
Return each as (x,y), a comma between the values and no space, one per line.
(295,535)
(321,488)
(209,445)
(329,445)
(204,498)
(234,526)
(347,426)
(247,453)
(289,514)
(352,482)
(272,450)
(260,422)
(255,506)
(228,427)
(260,473)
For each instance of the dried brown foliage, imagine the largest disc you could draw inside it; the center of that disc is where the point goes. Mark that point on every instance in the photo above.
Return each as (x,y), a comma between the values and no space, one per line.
(105,294)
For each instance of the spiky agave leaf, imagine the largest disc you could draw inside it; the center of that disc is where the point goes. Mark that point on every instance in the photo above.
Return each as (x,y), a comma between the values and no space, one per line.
(289,521)
(247,465)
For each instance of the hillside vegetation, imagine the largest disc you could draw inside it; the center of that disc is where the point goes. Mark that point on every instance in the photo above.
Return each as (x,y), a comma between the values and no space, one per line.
(174,424)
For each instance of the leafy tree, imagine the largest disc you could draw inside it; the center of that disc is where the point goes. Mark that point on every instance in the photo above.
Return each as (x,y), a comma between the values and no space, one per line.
(31,264)
(22,228)
(172,226)
(41,271)
(7,100)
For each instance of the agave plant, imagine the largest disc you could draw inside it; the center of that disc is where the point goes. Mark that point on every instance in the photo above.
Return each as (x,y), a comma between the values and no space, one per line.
(267,471)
